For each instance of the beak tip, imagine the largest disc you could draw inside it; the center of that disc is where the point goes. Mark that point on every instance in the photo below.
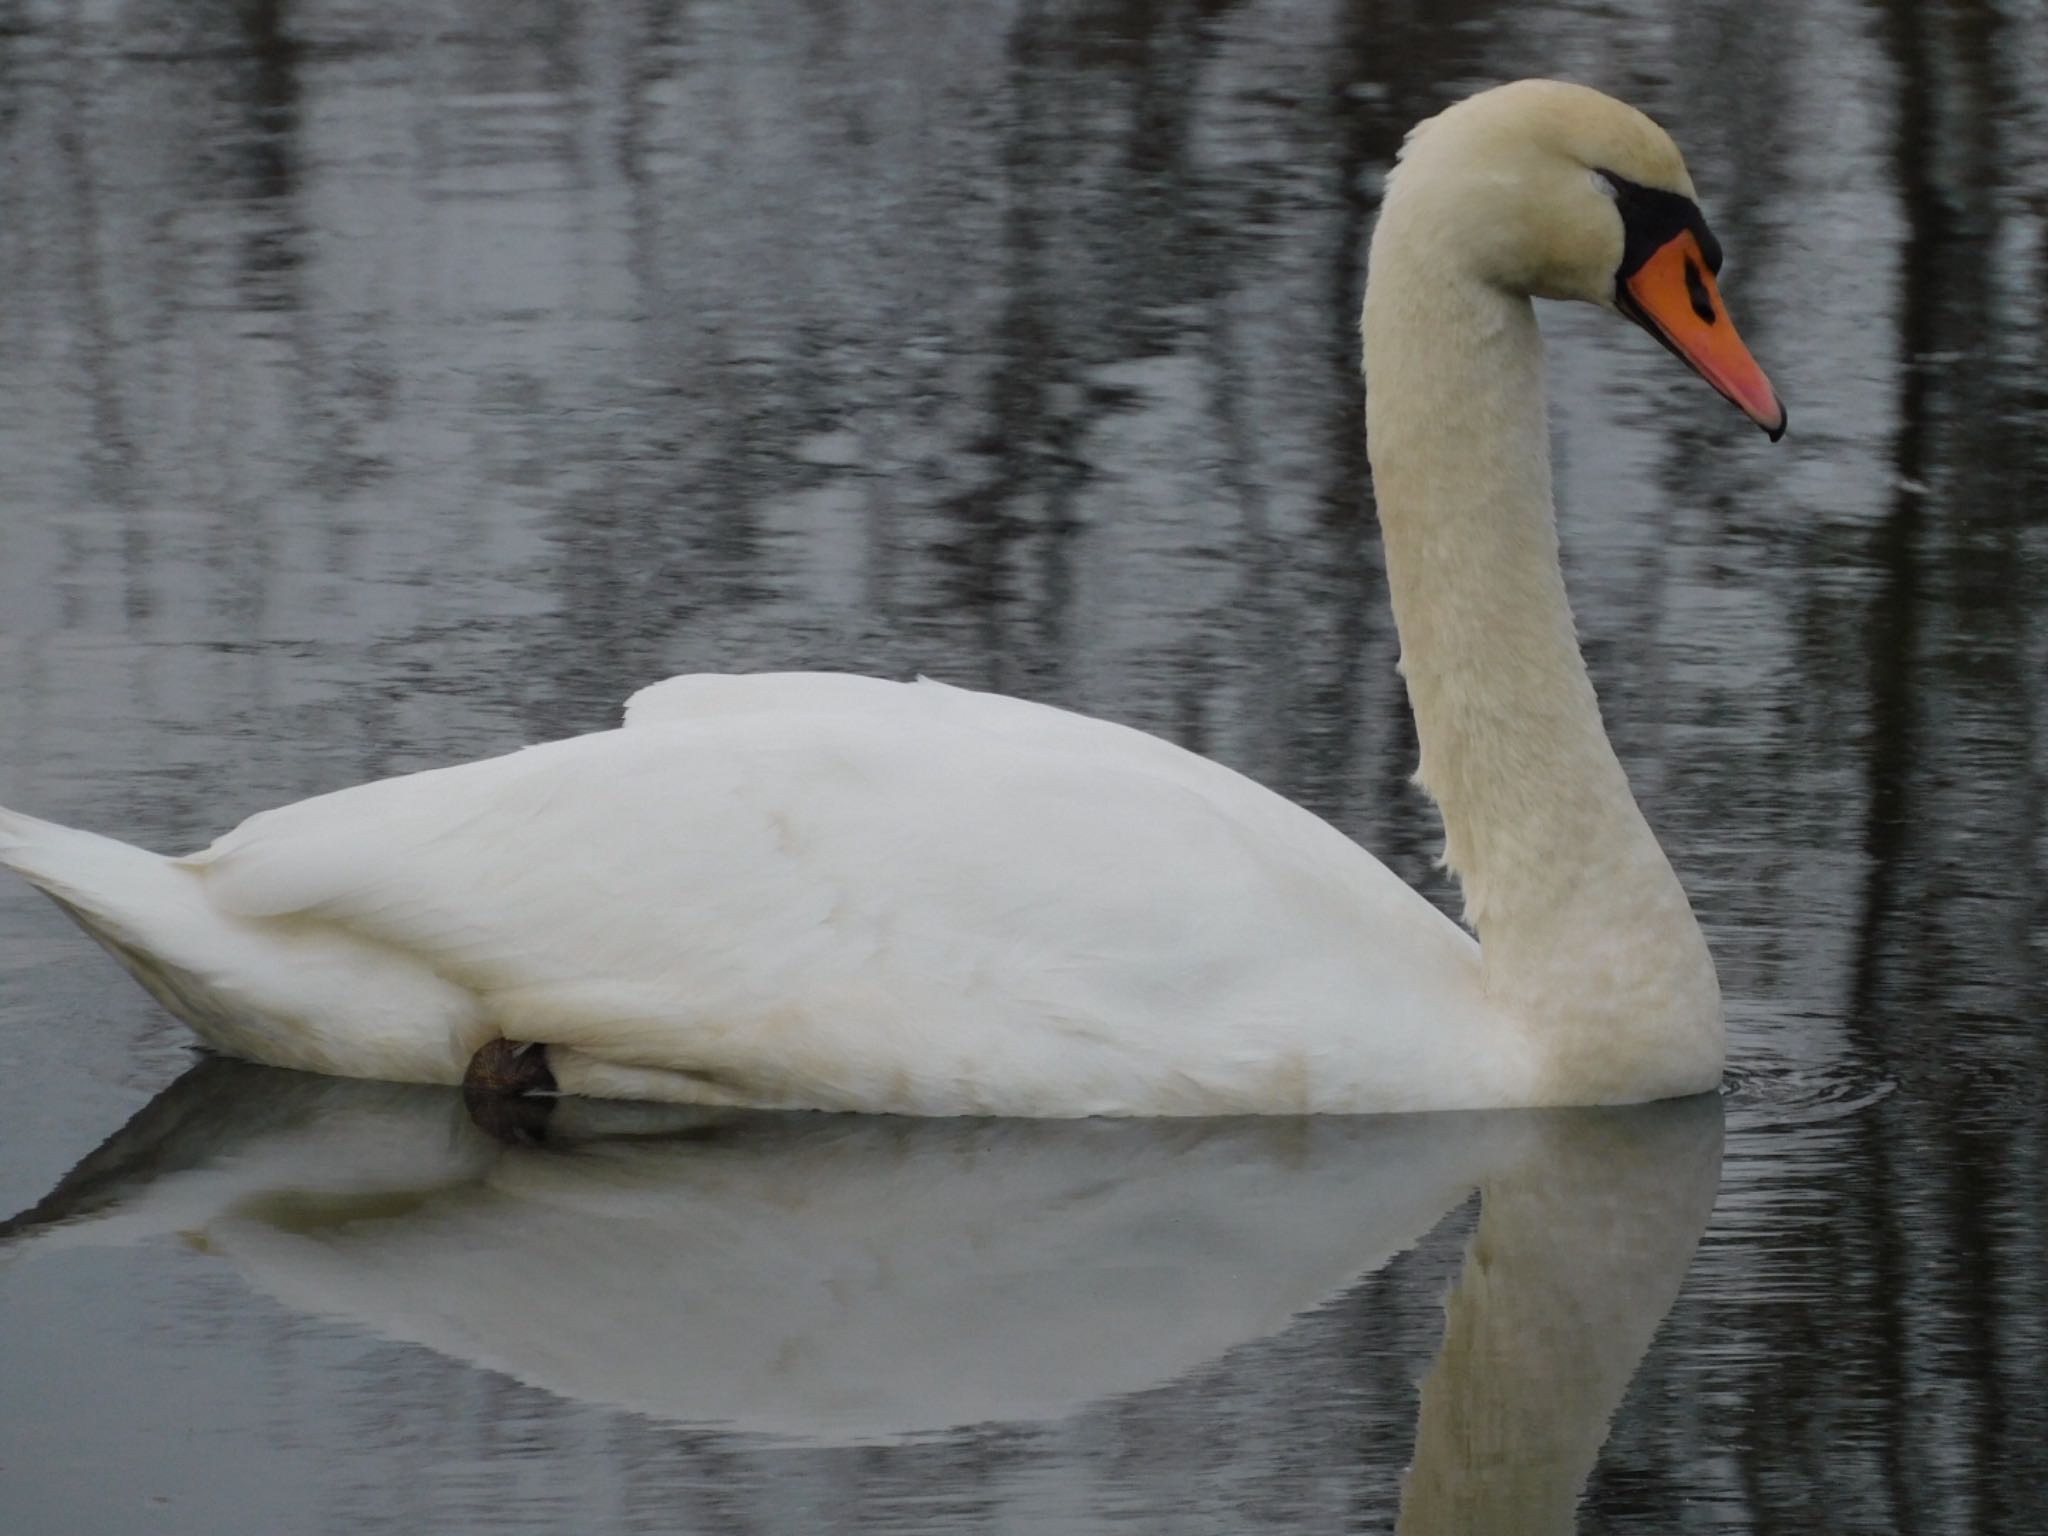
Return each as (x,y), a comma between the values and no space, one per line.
(1774,430)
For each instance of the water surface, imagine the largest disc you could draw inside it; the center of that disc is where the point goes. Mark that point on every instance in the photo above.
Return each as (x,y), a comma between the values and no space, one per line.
(384,388)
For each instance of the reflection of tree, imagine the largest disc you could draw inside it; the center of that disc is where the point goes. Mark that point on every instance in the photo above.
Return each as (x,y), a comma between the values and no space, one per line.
(1944,970)
(268,92)
(1129,79)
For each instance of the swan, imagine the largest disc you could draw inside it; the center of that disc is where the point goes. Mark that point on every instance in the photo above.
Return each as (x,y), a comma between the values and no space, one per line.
(835,892)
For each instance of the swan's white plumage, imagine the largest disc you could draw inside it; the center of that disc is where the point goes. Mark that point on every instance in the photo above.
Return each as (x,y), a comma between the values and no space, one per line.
(836,892)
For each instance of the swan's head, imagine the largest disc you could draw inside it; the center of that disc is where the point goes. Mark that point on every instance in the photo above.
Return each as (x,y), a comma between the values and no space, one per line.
(1560,192)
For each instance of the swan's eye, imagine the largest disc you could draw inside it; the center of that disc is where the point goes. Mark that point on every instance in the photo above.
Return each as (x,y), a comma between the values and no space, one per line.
(1606,186)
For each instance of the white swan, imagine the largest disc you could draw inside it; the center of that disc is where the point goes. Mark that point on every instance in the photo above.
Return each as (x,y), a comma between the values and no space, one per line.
(834,892)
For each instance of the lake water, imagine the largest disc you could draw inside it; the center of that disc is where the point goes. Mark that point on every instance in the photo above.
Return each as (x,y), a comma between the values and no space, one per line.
(387,386)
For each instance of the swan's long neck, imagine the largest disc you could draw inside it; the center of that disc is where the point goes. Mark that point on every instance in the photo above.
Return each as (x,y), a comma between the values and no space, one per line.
(1584,931)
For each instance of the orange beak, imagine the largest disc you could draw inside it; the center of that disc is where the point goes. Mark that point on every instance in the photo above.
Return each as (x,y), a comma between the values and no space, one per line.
(1674,298)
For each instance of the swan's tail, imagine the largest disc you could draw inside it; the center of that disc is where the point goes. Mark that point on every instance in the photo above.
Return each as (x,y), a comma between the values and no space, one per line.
(293,994)
(145,910)
(115,891)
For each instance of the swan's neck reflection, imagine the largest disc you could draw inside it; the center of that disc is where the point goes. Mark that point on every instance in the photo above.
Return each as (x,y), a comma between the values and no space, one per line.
(858,1279)
(1579,1254)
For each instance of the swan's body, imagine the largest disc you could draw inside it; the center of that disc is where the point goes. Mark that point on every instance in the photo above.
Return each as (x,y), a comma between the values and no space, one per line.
(771,902)
(833,892)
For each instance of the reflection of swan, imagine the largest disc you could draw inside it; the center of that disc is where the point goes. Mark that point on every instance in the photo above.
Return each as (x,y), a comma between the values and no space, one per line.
(829,1277)
(811,1275)
(1581,1246)
(844,893)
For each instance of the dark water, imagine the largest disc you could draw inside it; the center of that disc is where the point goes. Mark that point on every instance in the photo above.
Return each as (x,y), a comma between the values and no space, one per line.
(381,387)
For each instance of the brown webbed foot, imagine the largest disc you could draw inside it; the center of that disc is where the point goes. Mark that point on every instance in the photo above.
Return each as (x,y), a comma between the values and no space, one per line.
(502,1067)
(505,1090)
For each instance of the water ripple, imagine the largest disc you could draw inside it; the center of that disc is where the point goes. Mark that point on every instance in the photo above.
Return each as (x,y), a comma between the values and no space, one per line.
(1776,1092)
